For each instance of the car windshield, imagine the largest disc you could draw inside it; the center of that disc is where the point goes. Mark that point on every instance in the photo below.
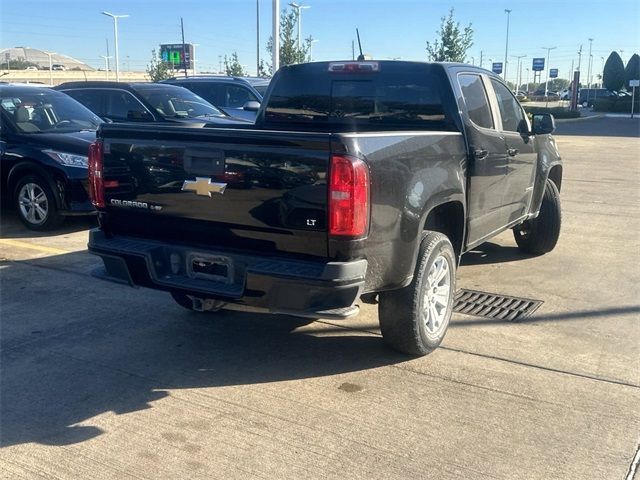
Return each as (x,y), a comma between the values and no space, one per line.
(261,89)
(46,111)
(178,102)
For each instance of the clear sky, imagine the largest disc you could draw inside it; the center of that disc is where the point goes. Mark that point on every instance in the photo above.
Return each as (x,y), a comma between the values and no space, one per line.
(389,28)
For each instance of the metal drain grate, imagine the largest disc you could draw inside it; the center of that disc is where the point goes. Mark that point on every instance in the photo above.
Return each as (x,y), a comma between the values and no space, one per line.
(490,305)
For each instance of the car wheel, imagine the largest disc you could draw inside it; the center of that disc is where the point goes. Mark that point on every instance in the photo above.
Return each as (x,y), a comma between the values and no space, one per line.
(196,304)
(414,319)
(540,235)
(36,204)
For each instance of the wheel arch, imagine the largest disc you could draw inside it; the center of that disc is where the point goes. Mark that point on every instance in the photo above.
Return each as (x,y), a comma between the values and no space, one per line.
(27,167)
(448,218)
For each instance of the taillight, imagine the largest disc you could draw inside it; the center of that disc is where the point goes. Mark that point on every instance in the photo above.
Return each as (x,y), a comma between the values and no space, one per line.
(348,197)
(96,176)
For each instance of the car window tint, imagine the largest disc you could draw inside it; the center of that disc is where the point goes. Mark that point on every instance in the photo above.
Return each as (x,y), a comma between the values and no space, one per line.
(92,99)
(475,98)
(119,103)
(238,96)
(510,110)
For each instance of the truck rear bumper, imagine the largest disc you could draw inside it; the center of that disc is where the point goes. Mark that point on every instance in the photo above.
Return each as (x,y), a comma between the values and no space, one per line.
(290,286)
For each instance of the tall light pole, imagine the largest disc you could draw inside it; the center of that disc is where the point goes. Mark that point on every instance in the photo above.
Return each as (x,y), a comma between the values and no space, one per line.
(276,35)
(194,57)
(298,7)
(506,48)
(590,62)
(519,72)
(50,67)
(527,90)
(546,82)
(106,64)
(115,35)
(473,60)
(313,40)
(257,38)
(602,73)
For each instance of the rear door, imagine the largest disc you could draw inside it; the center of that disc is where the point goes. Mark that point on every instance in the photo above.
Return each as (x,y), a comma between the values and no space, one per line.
(488,165)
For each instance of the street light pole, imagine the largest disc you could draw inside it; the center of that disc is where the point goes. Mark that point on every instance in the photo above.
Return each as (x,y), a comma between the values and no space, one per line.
(298,7)
(50,67)
(276,35)
(589,64)
(519,73)
(194,45)
(257,38)
(506,48)
(546,82)
(527,90)
(313,40)
(106,64)
(115,35)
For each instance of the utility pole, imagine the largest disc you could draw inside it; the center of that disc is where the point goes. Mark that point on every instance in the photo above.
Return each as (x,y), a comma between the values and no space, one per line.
(481,58)
(50,67)
(108,57)
(115,35)
(298,7)
(506,48)
(257,38)
(106,64)
(353,50)
(579,57)
(519,72)
(193,60)
(219,63)
(184,50)
(589,64)
(473,60)
(527,89)
(546,83)
(276,35)
(313,40)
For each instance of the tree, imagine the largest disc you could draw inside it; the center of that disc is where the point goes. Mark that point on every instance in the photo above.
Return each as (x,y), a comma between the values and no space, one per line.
(232,66)
(452,44)
(289,51)
(157,69)
(632,70)
(20,64)
(613,77)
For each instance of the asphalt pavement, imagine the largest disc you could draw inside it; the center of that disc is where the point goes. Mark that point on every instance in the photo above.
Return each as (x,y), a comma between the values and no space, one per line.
(103,381)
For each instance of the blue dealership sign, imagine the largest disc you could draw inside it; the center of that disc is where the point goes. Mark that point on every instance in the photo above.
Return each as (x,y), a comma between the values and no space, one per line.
(553,73)
(496,67)
(538,64)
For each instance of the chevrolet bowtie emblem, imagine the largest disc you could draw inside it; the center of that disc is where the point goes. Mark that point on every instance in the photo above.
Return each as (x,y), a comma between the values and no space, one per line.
(203,186)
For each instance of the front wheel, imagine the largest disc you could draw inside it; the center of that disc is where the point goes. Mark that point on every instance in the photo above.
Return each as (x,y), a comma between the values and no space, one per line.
(540,235)
(414,319)
(35,203)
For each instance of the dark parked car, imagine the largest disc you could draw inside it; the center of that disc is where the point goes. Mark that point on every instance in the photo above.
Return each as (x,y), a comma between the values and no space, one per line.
(239,97)
(45,137)
(367,180)
(144,102)
(586,96)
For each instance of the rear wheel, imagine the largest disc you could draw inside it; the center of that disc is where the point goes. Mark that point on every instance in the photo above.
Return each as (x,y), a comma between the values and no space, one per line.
(415,319)
(197,304)
(35,203)
(540,235)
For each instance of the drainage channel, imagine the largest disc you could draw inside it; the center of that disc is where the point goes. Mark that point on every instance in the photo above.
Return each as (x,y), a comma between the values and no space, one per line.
(492,305)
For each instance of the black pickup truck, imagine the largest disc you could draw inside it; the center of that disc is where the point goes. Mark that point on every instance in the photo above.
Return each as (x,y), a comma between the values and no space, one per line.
(360,181)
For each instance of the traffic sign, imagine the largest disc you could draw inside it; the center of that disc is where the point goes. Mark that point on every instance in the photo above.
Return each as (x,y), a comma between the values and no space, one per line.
(634,83)
(553,73)
(496,67)
(538,64)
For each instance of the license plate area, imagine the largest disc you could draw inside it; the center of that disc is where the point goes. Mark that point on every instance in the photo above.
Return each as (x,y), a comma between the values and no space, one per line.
(214,268)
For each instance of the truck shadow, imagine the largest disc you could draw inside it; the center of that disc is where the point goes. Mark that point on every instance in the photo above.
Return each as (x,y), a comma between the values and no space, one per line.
(87,347)
(490,252)
(12,227)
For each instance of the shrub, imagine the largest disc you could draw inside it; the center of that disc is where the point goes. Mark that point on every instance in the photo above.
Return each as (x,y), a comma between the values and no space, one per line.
(557,112)
(616,105)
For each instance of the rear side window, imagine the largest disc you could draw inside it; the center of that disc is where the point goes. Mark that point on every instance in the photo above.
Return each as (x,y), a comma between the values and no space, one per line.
(398,97)
(92,99)
(214,94)
(510,111)
(120,103)
(475,98)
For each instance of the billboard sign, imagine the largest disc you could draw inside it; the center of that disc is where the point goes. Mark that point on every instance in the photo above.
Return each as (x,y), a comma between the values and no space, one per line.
(538,64)
(496,67)
(178,57)
(553,73)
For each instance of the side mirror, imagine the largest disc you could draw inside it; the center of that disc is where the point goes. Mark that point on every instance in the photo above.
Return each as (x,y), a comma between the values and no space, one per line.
(251,106)
(139,116)
(543,123)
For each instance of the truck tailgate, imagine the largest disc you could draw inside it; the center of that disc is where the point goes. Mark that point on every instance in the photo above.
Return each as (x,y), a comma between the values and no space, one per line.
(254,190)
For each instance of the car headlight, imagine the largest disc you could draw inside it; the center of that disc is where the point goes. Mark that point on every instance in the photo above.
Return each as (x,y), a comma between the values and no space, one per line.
(68,159)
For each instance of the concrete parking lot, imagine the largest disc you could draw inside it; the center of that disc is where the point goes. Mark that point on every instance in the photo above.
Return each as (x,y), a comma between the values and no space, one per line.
(103,381)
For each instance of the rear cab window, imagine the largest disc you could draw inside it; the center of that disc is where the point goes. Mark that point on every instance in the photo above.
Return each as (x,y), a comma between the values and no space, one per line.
(476,99)
(400,96)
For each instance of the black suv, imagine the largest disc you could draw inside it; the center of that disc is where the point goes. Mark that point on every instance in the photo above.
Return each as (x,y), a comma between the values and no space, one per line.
(239,97)
(144,102)
(44,141)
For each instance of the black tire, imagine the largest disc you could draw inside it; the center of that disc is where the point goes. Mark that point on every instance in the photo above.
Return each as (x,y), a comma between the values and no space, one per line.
(52,219)
(540,235)
(186,301)
(401,312)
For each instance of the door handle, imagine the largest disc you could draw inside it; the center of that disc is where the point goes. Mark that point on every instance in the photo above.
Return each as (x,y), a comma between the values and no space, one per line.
(512,152)
(480,153)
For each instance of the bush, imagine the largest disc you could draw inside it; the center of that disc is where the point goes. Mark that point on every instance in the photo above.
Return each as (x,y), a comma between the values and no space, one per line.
(557,112)
(617,105)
